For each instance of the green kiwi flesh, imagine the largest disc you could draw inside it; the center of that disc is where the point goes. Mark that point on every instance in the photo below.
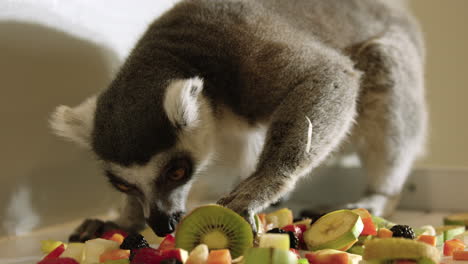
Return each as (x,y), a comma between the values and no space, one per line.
(217,227)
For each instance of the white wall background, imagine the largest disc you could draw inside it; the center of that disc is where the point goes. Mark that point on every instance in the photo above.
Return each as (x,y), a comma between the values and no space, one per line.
(61,51)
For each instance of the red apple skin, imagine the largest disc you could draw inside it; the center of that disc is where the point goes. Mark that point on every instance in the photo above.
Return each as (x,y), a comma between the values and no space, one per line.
(339,258)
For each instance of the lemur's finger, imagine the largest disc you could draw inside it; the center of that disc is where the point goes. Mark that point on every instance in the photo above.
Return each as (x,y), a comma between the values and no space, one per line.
(91,228)
(86,230)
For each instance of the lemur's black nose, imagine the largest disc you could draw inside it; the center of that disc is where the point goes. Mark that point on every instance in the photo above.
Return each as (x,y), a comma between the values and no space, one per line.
(162,223)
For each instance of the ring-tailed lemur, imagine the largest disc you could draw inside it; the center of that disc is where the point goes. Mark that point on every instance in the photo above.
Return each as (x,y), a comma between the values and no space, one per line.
(292,79)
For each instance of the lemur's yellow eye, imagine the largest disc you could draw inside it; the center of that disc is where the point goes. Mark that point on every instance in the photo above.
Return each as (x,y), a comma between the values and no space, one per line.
(122,187)
(178,169)
(178,174)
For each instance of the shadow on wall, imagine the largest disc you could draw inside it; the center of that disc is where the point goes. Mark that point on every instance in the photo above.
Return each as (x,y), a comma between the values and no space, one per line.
(45,180)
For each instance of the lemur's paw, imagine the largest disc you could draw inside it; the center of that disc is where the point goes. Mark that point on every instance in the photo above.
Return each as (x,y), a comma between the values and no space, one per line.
(92,228)
(237,207)
(376,204)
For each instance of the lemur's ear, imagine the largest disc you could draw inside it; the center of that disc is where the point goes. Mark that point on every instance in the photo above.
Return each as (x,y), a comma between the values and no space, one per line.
(76,123)
(182,102)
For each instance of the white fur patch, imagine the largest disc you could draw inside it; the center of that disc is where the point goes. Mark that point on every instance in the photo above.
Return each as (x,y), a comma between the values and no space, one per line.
(181,102)
(75,123)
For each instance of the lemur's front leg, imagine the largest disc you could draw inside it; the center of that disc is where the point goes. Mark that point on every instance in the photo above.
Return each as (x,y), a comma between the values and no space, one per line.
(131,219)
(324,104)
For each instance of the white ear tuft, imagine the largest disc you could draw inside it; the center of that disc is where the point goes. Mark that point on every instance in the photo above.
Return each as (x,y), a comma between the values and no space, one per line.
(75,123)
(181,102)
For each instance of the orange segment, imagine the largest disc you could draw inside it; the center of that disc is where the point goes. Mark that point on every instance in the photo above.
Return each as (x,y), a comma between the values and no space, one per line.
(114,254)
(384,233)
(220,256)
(431,240)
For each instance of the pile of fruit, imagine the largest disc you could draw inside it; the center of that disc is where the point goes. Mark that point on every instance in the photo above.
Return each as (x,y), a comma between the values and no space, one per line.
(216,235)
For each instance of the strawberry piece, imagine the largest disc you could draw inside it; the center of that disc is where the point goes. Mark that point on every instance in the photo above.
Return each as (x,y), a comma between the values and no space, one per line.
(453,245)
(298,231)
(147,256)
(58,261)
(167,243)
(56,252)
(107,235)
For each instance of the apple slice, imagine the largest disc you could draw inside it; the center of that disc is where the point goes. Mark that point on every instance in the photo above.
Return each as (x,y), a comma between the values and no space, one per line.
(450,231)
(279,218)
(199,255)
(336,230)
(270,256)
(56,252)
(271,240)
(95,247)
(463,237)
(74,251)
(457,219)
(48,246)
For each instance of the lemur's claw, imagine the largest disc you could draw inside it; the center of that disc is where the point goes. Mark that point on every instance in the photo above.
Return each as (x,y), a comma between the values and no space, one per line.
(91,228)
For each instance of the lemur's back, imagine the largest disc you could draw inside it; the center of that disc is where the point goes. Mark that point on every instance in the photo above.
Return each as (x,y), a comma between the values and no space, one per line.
(341,23)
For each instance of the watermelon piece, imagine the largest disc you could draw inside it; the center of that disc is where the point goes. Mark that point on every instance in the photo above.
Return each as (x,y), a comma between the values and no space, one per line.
(453,245)
(167,243)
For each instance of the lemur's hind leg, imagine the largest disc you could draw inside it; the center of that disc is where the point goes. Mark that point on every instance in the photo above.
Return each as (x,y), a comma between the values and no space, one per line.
(323,103)
(391,123)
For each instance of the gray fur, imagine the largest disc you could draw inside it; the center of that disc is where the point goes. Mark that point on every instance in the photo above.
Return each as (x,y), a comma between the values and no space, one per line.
(353,67)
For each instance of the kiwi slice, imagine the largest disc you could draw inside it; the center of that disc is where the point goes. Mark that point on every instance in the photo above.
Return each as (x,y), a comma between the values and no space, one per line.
(217,227)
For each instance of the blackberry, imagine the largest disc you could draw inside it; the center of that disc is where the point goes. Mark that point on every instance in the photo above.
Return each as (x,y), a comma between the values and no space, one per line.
(133,242)
(403,231)
(293,239)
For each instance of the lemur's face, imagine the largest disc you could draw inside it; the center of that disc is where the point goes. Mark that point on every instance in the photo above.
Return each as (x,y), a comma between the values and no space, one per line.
(150,148)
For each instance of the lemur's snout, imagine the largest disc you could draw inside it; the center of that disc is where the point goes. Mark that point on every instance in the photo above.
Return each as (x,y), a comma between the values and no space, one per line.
(162,223)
